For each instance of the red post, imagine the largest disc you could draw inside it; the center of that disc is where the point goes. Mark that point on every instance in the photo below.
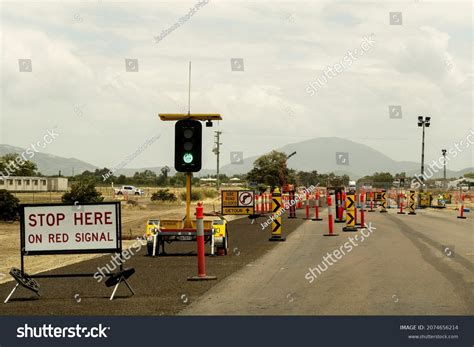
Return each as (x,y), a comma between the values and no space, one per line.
(362,212)
(200,241)
(371,202)
(200,246)
(401,204)
(316,208)
(461,212)
(307,206)
(330,218)
(355,215)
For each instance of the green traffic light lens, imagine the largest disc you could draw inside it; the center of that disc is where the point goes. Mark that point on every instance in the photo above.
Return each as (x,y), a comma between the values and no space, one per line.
(188,158)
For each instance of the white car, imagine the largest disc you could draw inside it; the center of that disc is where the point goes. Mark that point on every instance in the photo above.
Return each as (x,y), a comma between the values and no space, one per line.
(129,190)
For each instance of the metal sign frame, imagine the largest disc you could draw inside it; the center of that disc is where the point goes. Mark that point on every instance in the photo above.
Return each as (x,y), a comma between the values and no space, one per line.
(114,278)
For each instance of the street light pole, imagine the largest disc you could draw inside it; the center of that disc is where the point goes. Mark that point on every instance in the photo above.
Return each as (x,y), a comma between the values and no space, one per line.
(423,122)
(423,156)
(444,168)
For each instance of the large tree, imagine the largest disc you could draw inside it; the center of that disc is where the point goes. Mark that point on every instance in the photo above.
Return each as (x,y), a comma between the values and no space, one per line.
(12,164)
(271,169)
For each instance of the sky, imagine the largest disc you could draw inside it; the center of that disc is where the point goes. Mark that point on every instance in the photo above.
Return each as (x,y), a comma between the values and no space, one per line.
(64,67)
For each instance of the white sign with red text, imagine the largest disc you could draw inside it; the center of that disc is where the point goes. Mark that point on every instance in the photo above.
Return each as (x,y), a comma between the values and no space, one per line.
(70,228)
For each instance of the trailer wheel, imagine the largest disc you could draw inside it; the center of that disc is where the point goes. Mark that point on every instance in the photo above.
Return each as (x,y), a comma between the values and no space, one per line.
(226,247)
(149,248)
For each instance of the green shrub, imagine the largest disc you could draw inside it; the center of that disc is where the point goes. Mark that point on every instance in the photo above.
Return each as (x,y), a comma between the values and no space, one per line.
(82,192)
(163,195)
(210,193)
(195,195)
(9,206)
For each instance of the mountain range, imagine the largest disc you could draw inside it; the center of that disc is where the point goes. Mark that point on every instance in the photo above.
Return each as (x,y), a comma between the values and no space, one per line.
(333,154)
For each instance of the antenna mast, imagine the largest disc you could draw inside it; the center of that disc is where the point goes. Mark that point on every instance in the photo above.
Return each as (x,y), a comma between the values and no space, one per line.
(189,91)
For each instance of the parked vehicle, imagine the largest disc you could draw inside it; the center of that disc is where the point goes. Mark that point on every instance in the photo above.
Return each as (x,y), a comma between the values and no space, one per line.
(130,190)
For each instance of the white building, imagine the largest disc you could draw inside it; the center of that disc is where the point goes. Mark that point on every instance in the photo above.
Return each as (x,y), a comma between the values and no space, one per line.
(34,184)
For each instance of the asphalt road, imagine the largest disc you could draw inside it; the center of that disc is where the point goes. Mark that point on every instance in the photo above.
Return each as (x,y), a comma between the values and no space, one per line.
(160,283)
(402,268)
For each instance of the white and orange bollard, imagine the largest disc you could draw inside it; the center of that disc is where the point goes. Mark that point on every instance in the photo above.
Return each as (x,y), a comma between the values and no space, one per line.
(371,202)
(316,208)
(401,202)
(330,218)
(201,255)
(362,212)
(307,207)
(461,210)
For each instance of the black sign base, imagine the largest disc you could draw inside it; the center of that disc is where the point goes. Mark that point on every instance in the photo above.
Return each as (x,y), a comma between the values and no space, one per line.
(118,278)
(277,238)
(23,279)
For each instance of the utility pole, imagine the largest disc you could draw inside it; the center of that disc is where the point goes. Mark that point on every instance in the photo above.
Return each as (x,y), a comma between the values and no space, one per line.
(217,152)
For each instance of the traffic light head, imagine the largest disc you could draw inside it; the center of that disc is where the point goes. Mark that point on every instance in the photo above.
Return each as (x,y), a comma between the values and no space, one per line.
(188,145)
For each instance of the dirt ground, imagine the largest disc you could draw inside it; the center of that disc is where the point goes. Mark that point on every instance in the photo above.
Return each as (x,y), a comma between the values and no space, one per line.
(160,283)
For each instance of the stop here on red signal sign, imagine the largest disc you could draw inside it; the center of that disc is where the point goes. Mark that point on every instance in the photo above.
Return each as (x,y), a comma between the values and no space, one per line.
(79,218)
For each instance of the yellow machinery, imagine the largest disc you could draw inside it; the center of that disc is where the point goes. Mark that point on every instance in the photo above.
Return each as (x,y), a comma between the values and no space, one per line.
(425,199)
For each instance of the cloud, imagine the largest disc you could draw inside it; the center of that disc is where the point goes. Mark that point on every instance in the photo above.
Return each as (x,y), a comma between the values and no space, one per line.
(78,53)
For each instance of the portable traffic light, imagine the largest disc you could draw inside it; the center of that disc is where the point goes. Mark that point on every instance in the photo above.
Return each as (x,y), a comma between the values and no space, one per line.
(188,145)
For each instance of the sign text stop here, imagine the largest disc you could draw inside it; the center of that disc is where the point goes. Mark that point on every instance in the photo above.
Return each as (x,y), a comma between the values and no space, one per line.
(50,228)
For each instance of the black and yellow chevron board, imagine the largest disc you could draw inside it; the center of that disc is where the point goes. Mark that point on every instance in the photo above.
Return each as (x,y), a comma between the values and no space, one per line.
(276,206)
(383,201)
(350,210)
(411,202)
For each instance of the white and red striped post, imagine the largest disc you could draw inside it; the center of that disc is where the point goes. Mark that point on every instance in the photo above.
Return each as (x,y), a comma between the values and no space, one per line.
(307,206)
(400,199)
(330,218)
(371,202)
(355,209)
(461,211)
(316,208)
(201,255)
